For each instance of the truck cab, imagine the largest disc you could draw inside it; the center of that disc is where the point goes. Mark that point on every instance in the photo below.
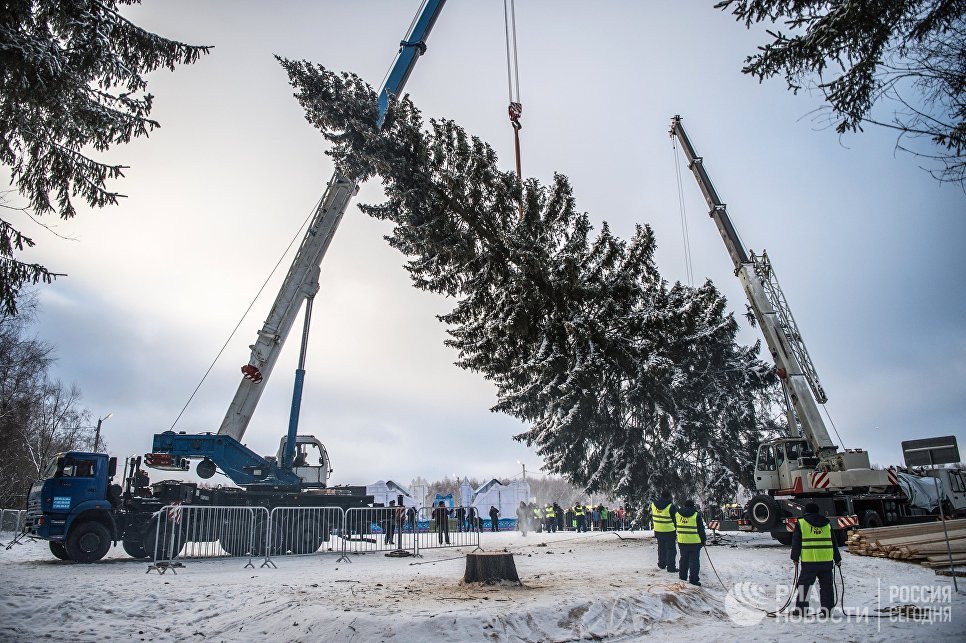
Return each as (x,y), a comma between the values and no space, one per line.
(952,490)
(78,508)
(75,490)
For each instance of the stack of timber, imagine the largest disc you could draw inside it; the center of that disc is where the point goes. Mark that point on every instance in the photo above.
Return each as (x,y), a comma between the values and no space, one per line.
(923,542)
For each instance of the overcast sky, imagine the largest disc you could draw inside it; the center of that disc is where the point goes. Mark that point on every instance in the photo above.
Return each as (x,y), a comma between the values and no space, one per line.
(868,248)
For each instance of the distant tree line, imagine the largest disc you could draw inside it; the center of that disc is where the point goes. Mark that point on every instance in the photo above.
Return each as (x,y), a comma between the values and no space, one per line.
(39,414)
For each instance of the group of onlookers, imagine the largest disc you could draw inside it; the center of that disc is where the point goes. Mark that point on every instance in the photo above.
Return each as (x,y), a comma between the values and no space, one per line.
(580,517)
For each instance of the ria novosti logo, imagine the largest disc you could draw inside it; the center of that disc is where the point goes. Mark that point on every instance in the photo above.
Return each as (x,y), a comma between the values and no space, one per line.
(746,603)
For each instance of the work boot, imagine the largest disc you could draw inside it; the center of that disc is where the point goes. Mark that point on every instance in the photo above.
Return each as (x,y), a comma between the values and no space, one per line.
(696,583)
(673,570)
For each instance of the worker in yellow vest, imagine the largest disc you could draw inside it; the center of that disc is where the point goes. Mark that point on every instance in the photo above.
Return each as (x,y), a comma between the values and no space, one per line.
(812,544)
(538,517)
(581,525)
(689,526)
(662,520)
(551,518)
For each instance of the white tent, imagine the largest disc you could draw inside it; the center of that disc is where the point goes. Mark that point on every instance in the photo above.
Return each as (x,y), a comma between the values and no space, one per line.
(506,498)
(382,491)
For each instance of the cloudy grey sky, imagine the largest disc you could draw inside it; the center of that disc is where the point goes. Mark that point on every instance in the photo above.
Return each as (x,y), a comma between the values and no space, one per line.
(867,246)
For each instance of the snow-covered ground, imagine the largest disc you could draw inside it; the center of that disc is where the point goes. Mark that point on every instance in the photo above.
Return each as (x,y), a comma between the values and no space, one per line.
(575,586)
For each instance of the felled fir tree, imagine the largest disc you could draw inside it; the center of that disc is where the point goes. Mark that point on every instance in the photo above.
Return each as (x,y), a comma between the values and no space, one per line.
(628,384)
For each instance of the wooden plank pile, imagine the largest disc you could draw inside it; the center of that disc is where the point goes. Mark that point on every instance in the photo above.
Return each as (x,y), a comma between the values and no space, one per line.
(923,542)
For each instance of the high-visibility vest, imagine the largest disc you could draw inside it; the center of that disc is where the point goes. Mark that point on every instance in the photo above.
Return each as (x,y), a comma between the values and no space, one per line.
(816,542)
(537,513)
(603,514)
(578,510)
(687,528)
(662,518)
(550,512)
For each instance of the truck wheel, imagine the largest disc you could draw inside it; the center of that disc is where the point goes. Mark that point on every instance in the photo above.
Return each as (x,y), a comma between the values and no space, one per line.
(303,541)
(88,541)
(58,550)
(134,549)
(783,536)
(870,519)
(763,513)
(235,538)
(171,540)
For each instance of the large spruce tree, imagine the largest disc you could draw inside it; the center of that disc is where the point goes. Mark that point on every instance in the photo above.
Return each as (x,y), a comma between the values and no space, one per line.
(627,383)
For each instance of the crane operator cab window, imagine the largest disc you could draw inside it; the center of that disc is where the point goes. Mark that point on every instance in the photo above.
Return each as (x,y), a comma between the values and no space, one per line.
(766,458)
(301,458)
(797,450)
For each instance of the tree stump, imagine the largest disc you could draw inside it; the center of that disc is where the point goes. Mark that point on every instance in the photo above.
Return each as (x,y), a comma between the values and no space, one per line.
(490,567)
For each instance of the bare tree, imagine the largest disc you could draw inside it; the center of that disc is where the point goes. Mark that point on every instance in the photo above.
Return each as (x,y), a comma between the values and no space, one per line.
(39,416)
(908,54)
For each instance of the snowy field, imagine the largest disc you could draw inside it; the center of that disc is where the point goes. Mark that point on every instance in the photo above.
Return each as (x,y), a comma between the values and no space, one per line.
(598,586)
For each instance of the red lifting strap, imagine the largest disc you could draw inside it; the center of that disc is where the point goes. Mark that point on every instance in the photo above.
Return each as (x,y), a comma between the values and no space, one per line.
(516,111)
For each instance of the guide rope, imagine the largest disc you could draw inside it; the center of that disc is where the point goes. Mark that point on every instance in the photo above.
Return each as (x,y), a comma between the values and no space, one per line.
(831,422)
(515,109)
(688,267)
(298,234)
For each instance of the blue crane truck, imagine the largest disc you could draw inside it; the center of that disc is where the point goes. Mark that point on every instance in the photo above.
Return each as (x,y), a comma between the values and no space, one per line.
(82,511)
(79,507)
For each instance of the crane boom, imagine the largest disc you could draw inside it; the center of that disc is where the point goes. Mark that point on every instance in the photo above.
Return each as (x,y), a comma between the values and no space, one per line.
(793,365)
(302,280)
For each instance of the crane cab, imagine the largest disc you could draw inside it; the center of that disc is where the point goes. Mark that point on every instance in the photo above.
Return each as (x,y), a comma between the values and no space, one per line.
(311,460)
(782,465)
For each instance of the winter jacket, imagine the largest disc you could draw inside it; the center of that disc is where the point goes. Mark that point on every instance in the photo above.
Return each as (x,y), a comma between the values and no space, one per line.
(664,503)
(687,513)
(818,521)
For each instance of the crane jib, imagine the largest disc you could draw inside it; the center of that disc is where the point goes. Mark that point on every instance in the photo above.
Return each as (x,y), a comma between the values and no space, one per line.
(300,284)
(792,362)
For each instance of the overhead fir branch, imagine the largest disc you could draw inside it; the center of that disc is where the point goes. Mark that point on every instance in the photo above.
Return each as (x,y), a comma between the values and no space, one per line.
(72,82)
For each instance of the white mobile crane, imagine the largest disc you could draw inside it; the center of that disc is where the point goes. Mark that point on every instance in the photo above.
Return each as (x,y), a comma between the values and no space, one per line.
(805,465)
(302,461)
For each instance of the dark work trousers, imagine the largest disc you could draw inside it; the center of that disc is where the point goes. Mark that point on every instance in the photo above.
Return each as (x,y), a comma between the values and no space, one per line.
(806,577)
(442,530)
(390,527)
(665,550)
(690,562)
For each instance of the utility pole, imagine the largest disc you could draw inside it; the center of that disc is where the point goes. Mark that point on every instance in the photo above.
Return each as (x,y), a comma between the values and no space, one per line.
(97,431)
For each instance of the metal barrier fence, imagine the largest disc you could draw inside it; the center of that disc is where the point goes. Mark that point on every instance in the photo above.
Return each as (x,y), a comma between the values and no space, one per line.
(436,527)
(12,519)
(186,531)
(372,529)
(297,531)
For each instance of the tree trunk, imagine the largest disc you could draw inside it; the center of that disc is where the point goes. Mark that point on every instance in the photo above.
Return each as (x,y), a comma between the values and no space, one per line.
(490,567)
